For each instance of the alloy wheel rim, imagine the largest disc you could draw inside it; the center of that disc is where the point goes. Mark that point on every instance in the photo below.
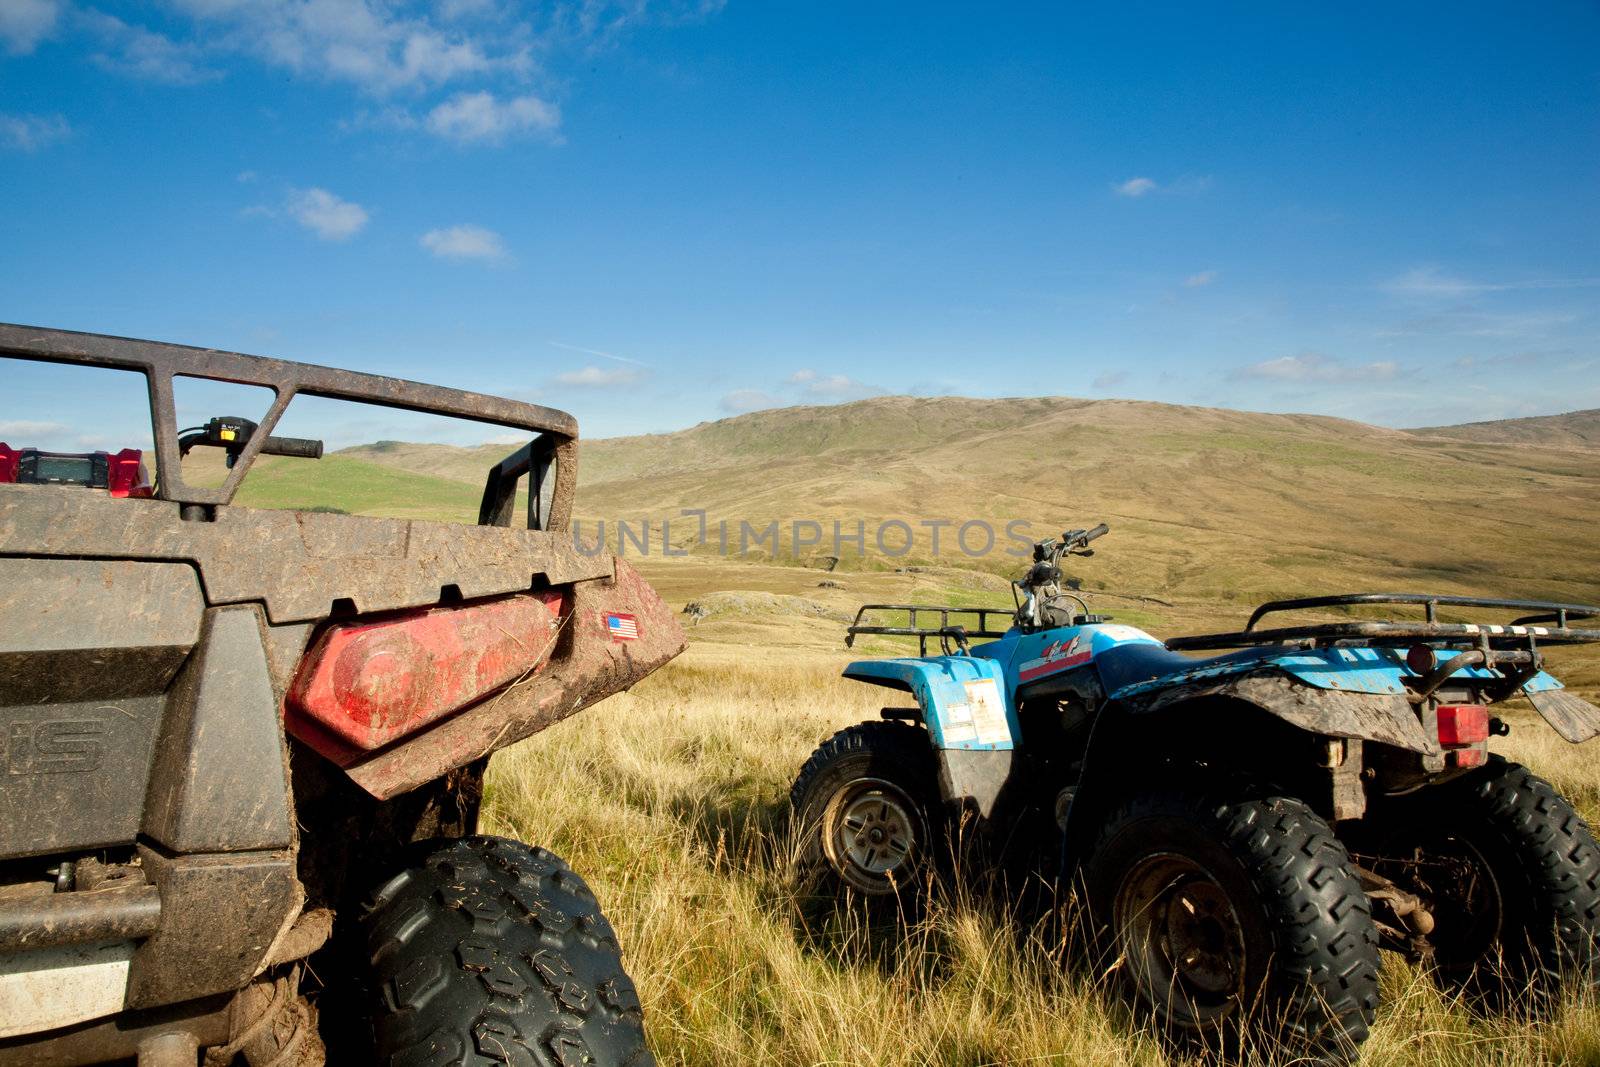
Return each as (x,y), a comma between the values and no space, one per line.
(871,835)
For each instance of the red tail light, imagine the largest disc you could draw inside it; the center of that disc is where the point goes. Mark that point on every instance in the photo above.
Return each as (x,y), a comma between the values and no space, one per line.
(125,474)
(1463,724)
(373,682)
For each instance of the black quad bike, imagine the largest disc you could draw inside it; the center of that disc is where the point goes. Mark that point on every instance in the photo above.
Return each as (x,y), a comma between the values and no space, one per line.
(230,737)
(1246,829)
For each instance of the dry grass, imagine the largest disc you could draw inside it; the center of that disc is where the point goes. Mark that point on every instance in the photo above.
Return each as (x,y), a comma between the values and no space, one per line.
(671,800)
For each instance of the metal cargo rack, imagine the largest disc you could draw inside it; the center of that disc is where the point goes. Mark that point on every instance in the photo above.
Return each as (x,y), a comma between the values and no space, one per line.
(1549,624)
(945,631)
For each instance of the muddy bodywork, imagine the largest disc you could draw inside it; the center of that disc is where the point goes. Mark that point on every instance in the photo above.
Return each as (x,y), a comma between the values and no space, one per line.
(1340,711)
(173,828)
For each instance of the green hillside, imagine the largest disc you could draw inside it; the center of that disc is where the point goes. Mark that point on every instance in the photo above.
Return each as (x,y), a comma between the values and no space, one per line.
(1205,503)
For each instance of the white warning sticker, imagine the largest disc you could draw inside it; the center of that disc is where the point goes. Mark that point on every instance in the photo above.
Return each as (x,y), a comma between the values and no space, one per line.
(988,712)
(958,727)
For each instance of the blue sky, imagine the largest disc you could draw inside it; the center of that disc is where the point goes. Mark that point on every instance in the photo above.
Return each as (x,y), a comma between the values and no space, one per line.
(653,215)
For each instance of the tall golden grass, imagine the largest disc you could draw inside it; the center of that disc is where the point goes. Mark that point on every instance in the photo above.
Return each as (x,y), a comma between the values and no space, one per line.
(672,801)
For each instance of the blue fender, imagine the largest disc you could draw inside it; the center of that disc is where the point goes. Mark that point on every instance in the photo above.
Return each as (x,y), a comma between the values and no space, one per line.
(963,698)
(1371,671)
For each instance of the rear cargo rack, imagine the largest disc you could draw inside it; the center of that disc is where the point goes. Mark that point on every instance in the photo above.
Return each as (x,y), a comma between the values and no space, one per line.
(1550,624)
(945,630)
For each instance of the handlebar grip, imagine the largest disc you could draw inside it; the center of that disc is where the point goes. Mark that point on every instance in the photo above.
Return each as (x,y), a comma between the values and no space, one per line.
(1098,531)
(301,447)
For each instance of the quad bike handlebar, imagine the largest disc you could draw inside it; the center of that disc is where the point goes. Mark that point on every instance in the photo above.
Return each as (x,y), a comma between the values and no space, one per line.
(232,433)
(1042,583)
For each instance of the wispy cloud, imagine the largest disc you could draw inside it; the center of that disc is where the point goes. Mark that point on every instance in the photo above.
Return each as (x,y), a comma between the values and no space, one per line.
(17,429)
(465,242)
(140,53)
(741,401)
(483,118)
(831,387)
(1195,281)
(326,215)
(1187,185)
(598,352)
(29,133)
(1318,368)
(1109,380)
(377,47)
(1430,282)
(600,377)
(25,23)
(1472,322)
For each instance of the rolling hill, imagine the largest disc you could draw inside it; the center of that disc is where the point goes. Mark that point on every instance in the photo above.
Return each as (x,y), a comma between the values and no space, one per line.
(1575,429)
(1205,503)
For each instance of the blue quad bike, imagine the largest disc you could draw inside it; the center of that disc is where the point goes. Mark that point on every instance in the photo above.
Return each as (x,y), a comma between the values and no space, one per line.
(1245,830)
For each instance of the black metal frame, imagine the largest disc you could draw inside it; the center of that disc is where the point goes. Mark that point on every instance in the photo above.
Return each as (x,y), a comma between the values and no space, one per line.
(556,431)
(945,631)
(1525,631)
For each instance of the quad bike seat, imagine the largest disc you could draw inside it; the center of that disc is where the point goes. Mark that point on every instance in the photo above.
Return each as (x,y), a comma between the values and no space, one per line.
(1140,662)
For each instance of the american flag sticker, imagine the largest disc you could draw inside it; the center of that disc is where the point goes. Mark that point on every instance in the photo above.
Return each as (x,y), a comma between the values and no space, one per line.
(622,627)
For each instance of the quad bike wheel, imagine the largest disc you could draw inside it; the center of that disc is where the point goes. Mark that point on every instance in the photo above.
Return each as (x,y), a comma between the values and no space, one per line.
(1511,873)
(866,807)
(1235,916)
(493,952)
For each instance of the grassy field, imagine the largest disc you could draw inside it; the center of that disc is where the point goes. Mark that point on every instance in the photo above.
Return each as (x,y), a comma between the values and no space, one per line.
(671,800)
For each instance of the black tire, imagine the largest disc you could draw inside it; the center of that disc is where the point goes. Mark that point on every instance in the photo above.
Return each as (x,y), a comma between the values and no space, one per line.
(1234,916)
(494,952)
(1512,873)
(875,783)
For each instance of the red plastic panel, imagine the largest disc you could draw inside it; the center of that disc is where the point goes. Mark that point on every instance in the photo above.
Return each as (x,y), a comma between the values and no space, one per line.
(125,474)
(370,683)
(9,458)
(1463,724)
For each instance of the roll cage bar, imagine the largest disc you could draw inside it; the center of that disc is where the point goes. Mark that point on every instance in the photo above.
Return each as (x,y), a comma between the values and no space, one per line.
(554,432)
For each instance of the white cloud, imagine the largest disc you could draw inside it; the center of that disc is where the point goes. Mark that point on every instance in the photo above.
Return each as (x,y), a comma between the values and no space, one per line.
(1195,281)
(466,9)
(1431,283)
(1186,185)
(481,117)
(24,23)
(29,133)
(17,429)
(600,377)
(324,214)
(465,242)
(141,53)
(831,387)
(1316,367)
(369,44)
(741,401)
(1109,380)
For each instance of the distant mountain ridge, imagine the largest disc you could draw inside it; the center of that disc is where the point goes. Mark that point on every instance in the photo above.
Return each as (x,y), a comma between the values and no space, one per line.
(1575,429)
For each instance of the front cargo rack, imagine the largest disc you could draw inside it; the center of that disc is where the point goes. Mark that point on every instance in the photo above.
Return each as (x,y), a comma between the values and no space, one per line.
(945,631)
(1549,624)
